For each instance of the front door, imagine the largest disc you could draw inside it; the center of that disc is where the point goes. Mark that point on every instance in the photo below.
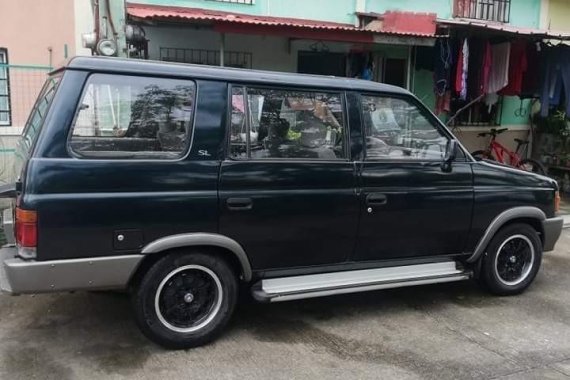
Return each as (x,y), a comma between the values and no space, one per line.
(287,188)
(410,207)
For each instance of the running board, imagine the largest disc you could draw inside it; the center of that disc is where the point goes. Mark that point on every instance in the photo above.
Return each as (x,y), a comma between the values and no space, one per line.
(326,284)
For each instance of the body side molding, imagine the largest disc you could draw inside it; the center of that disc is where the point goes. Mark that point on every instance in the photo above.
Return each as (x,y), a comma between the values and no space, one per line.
(201,238)
(499,221)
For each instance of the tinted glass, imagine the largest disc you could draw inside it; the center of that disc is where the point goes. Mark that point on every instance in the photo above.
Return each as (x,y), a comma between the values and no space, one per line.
(286,124)
(397,129)
(38,113)
(133,117)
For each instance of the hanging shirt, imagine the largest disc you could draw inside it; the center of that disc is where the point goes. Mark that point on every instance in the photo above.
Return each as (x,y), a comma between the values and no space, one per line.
(485,69)
(531,78)
(462,70)
(517,69)
(443,61)
(499,73)
(556,79)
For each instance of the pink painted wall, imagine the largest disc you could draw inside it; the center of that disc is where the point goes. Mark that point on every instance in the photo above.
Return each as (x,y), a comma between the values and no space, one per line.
(28,28)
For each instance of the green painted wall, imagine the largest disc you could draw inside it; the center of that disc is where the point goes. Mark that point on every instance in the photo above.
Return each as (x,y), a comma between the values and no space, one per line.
(525,13)
(423,87)
(325,10)
(441,7)
(511,114)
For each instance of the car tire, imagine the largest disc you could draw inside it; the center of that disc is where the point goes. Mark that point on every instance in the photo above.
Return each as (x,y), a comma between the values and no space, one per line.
(185,299)
(512,260)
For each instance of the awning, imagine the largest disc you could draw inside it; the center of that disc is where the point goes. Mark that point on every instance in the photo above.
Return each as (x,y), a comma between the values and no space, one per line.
(506,29)
(229,22)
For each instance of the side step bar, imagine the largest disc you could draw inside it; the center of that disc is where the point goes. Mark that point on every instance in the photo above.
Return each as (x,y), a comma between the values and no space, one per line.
(326,284)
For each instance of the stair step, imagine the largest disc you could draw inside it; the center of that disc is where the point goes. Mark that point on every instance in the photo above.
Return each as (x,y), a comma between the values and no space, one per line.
(318,285)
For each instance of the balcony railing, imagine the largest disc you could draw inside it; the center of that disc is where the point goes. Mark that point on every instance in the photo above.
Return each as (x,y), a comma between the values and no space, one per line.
(488,10)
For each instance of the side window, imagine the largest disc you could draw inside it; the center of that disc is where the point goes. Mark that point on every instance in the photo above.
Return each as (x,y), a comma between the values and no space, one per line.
(133,117)
(286,124)
(397,129)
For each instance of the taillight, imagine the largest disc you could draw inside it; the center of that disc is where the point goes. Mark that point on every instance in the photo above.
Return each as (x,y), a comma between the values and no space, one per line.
(557,201)
(26,227)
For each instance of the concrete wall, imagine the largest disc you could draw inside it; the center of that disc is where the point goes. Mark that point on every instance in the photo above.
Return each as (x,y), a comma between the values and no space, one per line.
(29,27)
(558,15)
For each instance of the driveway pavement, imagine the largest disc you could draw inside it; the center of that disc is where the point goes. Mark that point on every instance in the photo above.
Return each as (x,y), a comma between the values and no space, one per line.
(448,331)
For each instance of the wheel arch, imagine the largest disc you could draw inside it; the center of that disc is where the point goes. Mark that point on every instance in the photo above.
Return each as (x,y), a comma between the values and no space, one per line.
(532,216)
(222,244)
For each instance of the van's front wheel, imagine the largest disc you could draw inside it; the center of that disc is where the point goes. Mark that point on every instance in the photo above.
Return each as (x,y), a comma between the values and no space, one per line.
(512,260)
(185,300)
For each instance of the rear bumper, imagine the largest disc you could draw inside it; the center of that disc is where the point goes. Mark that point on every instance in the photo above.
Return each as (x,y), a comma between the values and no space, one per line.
(19,276)
(552,229)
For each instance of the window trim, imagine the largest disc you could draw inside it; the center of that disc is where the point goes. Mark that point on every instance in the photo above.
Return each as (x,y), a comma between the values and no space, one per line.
(346,129)
(434,121)
(4,51)
(183,154)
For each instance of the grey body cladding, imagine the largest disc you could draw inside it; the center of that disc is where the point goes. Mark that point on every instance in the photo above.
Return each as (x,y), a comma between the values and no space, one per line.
(551,228)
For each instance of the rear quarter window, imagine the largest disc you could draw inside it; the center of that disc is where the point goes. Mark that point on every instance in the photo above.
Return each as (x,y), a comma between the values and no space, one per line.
(130,117)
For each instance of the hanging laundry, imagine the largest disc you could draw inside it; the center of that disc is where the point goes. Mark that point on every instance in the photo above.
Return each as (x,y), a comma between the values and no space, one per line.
(499,73)
(531,78)
(443,62)
(462,70)
(517,69)
(490,101)
(443,103)
(486,65)
(476,49)
(556,79)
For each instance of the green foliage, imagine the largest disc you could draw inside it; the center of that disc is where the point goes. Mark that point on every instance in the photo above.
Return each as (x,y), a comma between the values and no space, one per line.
(556,123)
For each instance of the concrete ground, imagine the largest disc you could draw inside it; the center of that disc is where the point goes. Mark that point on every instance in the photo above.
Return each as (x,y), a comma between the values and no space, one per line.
(449,331)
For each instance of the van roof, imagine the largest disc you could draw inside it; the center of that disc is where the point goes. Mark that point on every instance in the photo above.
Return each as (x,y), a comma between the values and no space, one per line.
(137,66)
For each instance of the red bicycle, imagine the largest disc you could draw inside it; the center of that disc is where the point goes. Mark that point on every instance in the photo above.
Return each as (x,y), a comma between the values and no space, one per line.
(497,152)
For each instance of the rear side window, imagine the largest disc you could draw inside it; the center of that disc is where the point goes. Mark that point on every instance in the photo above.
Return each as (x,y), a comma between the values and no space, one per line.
(133,117)
(38,113)
(286,124)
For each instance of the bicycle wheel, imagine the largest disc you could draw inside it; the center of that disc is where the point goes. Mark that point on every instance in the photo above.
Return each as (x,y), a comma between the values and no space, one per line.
(531,165)
(482,155)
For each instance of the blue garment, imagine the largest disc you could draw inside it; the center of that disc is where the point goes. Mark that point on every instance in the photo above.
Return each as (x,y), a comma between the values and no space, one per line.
(555,79)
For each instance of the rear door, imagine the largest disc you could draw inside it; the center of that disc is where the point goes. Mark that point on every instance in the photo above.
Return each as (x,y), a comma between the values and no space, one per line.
(130,169)
(410,206)
(287,186)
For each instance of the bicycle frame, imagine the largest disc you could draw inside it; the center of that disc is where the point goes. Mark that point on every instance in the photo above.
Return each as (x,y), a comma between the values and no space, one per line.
(499,151)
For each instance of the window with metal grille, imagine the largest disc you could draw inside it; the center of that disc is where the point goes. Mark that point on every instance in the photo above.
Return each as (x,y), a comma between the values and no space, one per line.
(5,113)
(206,57)
(247,2)
(488,10)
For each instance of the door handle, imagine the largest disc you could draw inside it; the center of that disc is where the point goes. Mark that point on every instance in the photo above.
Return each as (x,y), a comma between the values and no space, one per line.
(376,199)
(237,204)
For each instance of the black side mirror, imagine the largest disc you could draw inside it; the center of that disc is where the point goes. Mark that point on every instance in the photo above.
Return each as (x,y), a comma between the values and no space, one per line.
(450,155)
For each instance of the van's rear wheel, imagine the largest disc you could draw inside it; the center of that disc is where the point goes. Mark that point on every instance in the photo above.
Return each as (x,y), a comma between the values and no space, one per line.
(512,260)
(185,300)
